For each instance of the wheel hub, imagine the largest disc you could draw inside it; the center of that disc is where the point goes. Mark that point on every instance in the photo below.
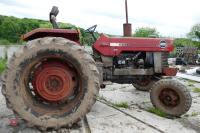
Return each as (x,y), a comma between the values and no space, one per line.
(169,97)
(53,81)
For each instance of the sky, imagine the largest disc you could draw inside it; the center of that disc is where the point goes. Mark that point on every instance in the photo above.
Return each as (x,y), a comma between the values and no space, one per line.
(172,18)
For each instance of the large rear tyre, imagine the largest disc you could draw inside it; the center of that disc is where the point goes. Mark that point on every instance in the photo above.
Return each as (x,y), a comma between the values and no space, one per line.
(51,83)
(171,97)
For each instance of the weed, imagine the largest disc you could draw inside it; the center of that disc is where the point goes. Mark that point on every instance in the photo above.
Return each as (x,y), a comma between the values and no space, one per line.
(186,115)
(2,64)
(190,84)
(101,97)
(191,81)
(157,112)
(121,105)
(196,90)
(194,114)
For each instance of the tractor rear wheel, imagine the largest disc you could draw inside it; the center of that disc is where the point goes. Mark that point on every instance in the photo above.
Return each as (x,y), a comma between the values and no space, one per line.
(143,83)
(171,97)
(51,83)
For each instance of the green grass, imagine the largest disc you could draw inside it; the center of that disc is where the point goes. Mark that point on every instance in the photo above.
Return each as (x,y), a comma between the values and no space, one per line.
(157,112)
(196,90)
(190,84)
(2,64)
(186,115)
(191,81)
(121,105)
(194,114)
(4,42)
(118,105)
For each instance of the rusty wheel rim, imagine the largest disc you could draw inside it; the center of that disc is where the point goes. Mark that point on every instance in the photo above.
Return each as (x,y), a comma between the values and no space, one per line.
(169,97)
(40,104)
(53,81)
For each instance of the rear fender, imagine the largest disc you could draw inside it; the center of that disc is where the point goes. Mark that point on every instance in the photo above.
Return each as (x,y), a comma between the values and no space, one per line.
(72,35)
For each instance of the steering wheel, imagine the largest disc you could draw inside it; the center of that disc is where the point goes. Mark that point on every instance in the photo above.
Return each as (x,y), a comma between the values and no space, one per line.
(91,30)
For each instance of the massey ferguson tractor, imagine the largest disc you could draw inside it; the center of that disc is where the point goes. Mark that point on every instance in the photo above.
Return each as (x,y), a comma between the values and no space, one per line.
(52,82)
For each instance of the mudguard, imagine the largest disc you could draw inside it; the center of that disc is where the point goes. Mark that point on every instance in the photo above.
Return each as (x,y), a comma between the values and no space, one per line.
(72,35)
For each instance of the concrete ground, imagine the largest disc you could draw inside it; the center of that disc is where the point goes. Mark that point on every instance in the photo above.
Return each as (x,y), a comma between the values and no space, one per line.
(133,119)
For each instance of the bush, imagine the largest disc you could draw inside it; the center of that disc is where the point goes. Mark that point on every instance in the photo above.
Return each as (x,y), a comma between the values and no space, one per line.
(181,42)
(4,42)
(146,32)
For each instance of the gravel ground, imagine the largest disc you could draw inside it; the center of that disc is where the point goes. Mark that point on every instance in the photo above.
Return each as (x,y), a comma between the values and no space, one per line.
(135,118)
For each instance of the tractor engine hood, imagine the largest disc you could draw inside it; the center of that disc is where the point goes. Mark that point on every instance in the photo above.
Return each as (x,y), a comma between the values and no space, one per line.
(113,46)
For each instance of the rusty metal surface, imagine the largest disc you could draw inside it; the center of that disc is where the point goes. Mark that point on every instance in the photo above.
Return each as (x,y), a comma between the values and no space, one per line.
(39,104)
(131,71)
(170,71)
(45,32)
(169,97)
(143,80)
(53,81)
(127,30)
(127,26)
(126,8)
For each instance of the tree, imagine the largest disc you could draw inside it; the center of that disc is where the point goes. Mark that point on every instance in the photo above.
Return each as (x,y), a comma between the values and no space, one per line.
(11,29)
(87,38)
(195,32)
(146,32)
(181,42)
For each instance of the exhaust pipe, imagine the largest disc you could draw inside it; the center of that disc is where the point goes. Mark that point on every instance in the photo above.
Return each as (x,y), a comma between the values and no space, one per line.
(127,26)
(52,17)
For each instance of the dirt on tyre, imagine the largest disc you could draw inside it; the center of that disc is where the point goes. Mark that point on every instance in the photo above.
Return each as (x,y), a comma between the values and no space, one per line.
(171,97)
(143,83)
(51,83)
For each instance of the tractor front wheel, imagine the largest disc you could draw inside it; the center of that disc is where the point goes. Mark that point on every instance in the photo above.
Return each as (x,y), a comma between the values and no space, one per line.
(51,83)
(171,97)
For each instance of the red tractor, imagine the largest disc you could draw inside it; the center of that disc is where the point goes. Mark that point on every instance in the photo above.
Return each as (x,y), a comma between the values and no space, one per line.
(52,82)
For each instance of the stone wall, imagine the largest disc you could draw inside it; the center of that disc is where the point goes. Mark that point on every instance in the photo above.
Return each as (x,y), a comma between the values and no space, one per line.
(6,51)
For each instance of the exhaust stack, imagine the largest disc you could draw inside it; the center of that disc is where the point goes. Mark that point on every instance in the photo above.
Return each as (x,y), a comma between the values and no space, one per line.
(127,26)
